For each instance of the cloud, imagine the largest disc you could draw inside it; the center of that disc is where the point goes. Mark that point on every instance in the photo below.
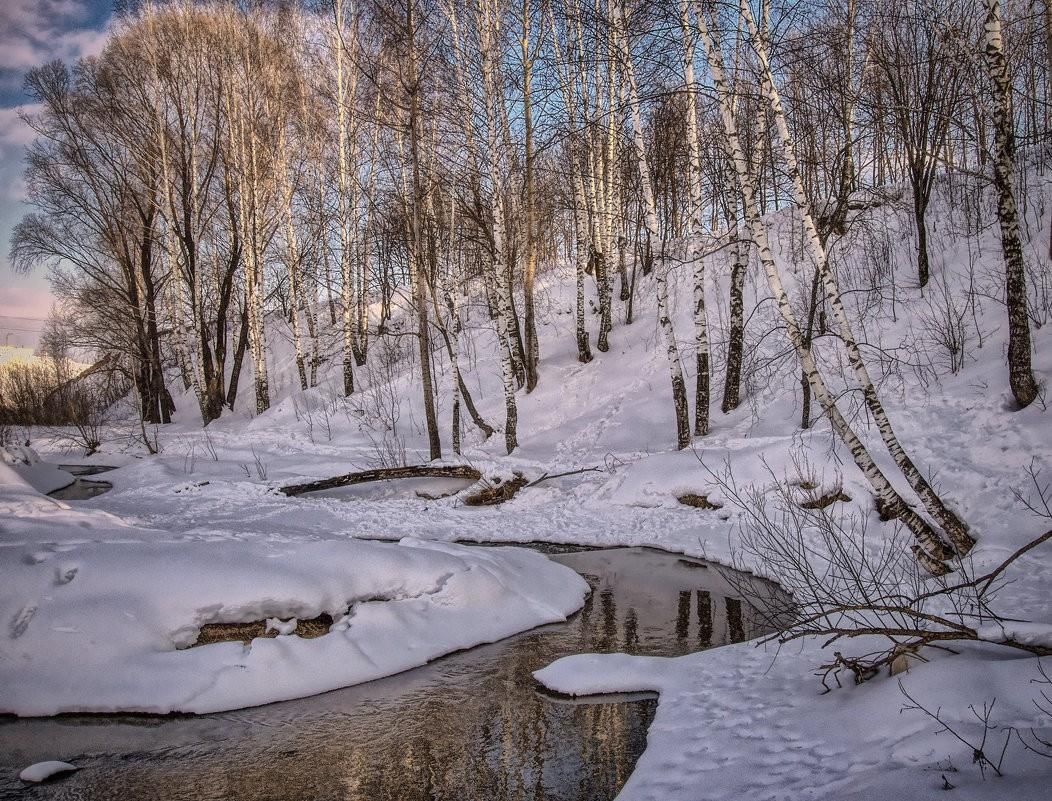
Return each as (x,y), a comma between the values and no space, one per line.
(35,31)
(13,131)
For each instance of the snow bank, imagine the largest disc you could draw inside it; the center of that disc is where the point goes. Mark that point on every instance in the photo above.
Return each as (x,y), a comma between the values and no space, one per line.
(734,722)
(100,623)
(25,462)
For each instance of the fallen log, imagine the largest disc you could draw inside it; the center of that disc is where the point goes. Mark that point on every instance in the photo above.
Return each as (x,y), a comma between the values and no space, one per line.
(497,492)
(385,474)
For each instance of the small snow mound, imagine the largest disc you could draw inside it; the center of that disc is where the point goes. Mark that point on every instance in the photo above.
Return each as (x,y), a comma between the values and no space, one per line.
(282,627)
(42,771)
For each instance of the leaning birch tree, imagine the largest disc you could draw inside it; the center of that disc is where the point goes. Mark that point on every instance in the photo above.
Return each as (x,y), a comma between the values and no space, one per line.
(931,550)
(954,527)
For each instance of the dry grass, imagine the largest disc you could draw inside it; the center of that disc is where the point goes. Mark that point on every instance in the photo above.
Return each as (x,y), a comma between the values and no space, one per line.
(246,632)
(698,501)
(828,499)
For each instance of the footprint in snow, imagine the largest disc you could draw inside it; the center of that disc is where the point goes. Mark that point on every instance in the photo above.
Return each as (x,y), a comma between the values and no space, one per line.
(64,574)
(20,622)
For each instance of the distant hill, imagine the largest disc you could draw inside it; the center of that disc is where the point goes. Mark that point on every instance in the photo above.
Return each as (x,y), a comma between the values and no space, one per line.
(20,332)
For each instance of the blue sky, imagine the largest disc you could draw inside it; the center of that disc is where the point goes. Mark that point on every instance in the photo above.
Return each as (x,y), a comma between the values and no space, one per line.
(33,32)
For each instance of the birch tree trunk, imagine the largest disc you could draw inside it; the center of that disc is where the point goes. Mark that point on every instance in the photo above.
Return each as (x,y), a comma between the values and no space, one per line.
(532,350)
(344,203)
(679,389)
(1020,373)
(954,527)
(506,327)
(580,211)
(418,266)
(931,549)
(697,228)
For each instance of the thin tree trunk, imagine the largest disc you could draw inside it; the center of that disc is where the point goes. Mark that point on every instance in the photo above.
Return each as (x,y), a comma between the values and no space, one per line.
(931,548)
(697,228)
(532,349)
(679,389)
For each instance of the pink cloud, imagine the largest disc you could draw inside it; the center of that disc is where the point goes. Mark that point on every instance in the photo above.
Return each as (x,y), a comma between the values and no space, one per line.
(24,300)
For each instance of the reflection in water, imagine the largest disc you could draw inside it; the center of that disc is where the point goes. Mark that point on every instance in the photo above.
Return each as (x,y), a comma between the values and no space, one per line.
(81,490)
(704,619)
(734,619)
(471,725)
(683,615)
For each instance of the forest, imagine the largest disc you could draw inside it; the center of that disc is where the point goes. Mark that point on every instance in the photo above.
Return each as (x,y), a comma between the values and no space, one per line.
(766,283)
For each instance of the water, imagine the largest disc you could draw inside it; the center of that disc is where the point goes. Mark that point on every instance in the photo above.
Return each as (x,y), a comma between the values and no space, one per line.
(81,490)
(86,469)
(472,725)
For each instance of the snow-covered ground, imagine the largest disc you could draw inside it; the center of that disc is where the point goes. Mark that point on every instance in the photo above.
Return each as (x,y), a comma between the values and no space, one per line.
(100,613)
(735,722)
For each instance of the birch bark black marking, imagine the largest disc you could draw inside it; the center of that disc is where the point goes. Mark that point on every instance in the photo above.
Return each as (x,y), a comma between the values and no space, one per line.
(933,546)
(1020,373)
(955,528)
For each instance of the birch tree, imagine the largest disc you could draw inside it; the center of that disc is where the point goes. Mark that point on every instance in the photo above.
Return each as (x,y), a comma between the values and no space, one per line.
(679,390)
(1020,373)
(931,549)
(954,527)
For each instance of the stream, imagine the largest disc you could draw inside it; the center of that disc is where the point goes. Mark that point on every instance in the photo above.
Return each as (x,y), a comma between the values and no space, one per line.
(470,725)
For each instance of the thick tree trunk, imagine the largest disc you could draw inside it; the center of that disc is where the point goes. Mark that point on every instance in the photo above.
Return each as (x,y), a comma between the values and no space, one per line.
(1020,372)
(920,208)
(584,351)
(239,360)
(736,322)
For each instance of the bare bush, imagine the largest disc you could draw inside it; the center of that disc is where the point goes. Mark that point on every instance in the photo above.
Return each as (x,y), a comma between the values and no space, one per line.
(837,583)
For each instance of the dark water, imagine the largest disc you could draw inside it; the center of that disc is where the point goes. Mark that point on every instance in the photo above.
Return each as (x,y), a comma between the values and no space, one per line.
(81,490)
(86,469)
(472,725)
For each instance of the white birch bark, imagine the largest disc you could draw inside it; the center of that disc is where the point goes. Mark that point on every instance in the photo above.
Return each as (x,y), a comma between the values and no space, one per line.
(954,527)
(1020,372)
(931,549)
(697,227)
(679,391)
(345,208)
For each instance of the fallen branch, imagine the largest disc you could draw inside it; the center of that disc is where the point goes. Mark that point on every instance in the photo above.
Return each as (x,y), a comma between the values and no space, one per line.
(548,476)
(498,492)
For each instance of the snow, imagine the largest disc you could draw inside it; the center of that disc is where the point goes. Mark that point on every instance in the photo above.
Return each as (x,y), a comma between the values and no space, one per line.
(27,463)
(198,530)
(127,603)
(42,771)
(736,722)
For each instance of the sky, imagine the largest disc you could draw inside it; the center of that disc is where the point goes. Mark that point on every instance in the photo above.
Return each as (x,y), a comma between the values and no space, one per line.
(33,32)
